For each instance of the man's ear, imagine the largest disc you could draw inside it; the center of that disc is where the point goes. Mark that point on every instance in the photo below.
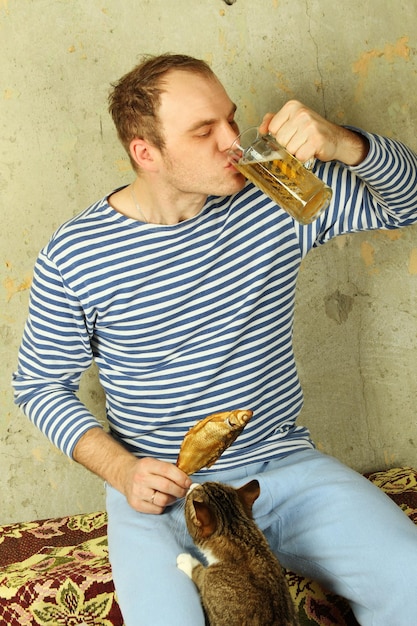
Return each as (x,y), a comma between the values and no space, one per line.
(143,153)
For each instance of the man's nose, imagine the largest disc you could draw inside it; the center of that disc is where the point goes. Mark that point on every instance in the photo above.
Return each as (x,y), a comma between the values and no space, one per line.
(228,135)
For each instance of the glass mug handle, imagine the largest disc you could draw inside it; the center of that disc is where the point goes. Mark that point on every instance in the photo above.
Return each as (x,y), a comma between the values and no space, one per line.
(307,164)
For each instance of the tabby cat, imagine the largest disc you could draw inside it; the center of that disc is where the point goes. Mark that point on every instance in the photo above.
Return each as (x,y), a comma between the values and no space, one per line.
(243,584)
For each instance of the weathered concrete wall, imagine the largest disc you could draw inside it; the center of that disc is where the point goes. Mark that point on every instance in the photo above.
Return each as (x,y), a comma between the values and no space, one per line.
(356,330)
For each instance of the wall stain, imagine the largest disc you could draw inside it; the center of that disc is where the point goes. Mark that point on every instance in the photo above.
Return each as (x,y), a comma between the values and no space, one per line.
(412,262)
(368,257)
(7,335)
(367,253)
(12,287)
(38,454)
(338,306)
(342,241)
(361,67)
(282,84)
(223,39)
(392,235)
(123,165)
(390,459)
(10,94)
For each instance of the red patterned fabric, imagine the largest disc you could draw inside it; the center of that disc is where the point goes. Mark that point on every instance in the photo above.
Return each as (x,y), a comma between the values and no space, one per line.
(56,572)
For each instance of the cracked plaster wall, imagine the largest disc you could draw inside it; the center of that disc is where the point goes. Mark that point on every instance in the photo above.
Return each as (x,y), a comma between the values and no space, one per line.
(355,328)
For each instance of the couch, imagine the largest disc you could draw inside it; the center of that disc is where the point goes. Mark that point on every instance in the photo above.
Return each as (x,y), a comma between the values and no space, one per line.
(56,571)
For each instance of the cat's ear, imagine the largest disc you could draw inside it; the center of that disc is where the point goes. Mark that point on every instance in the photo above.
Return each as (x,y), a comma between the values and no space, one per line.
(205,518)
(248,494)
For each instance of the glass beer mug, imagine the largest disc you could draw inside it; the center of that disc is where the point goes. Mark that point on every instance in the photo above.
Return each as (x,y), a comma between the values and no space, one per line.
(283,178)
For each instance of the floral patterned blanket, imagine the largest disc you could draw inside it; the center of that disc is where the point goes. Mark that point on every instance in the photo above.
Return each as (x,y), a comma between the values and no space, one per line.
(56,572)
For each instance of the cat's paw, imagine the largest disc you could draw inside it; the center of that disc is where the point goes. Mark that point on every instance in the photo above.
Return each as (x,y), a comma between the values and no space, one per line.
(186,563)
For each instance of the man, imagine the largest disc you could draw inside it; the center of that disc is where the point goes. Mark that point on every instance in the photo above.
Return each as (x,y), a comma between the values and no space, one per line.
(181,287)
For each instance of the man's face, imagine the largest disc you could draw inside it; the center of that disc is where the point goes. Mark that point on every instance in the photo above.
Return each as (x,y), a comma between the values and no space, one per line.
(197,118)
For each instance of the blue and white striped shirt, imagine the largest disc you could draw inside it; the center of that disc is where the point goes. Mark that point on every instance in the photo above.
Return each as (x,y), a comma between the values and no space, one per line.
(190,319)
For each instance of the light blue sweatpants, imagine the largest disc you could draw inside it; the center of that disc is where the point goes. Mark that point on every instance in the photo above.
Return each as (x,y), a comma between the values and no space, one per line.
(321,518)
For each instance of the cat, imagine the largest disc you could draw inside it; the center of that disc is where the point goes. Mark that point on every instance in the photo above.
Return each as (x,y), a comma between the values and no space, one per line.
(243,583)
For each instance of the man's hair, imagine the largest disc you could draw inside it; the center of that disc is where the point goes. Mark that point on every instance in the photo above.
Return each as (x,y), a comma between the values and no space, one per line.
(135,99)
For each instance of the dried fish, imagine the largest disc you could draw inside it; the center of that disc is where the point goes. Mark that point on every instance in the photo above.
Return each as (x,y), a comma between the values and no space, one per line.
(209,438)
